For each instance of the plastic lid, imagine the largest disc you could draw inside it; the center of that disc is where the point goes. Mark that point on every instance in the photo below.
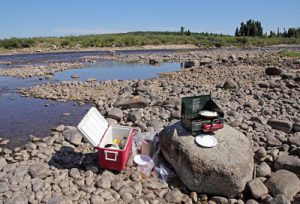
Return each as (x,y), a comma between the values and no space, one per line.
(93,126)
(142,159)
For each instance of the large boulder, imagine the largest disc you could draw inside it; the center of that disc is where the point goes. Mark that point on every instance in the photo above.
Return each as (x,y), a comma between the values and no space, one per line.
(222,170)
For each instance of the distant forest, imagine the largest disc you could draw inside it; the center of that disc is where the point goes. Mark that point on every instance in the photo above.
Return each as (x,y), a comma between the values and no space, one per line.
(254,28)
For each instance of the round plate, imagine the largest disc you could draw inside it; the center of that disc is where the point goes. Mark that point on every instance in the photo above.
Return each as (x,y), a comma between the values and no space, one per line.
(206,140)
(142,159)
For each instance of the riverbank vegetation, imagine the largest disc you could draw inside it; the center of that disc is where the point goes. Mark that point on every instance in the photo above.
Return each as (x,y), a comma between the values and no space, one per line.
(146,38)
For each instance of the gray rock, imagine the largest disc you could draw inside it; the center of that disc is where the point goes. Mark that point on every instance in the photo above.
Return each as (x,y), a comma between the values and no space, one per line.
(154,184)
(154,62)
(296,127)
(174,196)
(95,199)
(273,71)
(59,128)
(20,199)
(191,63)
(155,124)
(283,182)
(74,76)
(132,102)
(218,170)
(127,197)
(219,200)
(2,162)
(251,201)
(39,170)
(117,183)
(272,140)
(104,182)
(263,170)
(74,173)
(72,135)
(285,126)
(4,187)
(20,171)
(295,140)
(257,188)
(135,116)
(280,199)
(111,121)
(288,162)
(230,85)
(116,113)
(56,200)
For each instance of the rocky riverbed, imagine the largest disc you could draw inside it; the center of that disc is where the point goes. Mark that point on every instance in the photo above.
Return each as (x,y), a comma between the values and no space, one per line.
(258,91)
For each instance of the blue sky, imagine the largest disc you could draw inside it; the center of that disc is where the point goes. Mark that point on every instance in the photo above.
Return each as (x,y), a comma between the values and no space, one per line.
(30,18)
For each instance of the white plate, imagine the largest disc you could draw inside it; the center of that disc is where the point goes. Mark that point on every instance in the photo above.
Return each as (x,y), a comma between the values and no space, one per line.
(142,159)
(206,140)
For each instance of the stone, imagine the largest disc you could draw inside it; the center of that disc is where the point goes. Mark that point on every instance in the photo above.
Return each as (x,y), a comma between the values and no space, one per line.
(263,170)
(104,182)
(219,200)
(126,197)
(4,186)
(174,196)
(154,62)
(115,113)
(257,188)
(39,170)
(273,71)
(135,116)
(20,199)
(285,126)
(283,182)
(20,171)
(190,63)
(72,135)
(230,85)
(132,102)
(272,140)
(280,199)
(59,128)
(3,162)
(296,127)
(95,199)
(218,170)
(74,76)
(288,162)
(154,184)
(292,140)
(155,124)
(56,200)
(251,201)
(74,173)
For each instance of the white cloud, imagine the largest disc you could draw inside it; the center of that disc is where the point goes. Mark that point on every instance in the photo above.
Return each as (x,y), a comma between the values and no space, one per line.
(83,31)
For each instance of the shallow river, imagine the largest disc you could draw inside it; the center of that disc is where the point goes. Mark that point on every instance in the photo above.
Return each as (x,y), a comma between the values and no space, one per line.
(24,116)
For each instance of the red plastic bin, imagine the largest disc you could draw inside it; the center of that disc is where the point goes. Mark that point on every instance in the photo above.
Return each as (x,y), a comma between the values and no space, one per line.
(99,133)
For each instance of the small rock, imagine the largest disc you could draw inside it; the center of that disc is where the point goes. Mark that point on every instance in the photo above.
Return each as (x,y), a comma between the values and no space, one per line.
(74,76)
(257,188)
(39,170)
(126,197)
(292,140)
(219,200)
(116,113)
(72,135)
(263,170)
(273,71)
(272,140)
(104,182)
(4,187)
(56,200)
(174,196)
(285,126)
(296,127)
(283,182)
(59,128)
(74,173)
(280,199)
(288,162)
(230,85)
(95,199)
(2,162)
(251,201)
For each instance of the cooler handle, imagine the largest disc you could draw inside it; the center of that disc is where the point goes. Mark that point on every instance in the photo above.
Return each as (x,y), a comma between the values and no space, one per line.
(110,152)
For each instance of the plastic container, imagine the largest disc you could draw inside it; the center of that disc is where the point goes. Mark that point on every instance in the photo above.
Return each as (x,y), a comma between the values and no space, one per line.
(99,133)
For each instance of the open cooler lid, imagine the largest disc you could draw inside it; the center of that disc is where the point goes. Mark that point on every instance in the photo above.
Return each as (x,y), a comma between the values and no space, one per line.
(93,126)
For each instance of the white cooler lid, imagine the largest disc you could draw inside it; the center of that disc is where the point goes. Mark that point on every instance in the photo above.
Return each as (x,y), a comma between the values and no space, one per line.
(93,126)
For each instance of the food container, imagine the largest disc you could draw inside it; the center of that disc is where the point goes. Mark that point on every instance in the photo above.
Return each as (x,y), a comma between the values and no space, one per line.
(101,135)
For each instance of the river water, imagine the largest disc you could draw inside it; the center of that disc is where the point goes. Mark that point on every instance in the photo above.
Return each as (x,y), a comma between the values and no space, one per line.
(24,116)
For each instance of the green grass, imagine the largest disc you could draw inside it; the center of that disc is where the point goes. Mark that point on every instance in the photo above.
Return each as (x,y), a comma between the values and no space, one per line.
(144,38)
(286,53)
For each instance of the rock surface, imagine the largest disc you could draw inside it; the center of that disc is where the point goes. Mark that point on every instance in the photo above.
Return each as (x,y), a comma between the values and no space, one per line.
(218,170)
(283,182)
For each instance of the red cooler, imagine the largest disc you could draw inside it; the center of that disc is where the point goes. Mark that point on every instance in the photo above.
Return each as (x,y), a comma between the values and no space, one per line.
(101,135)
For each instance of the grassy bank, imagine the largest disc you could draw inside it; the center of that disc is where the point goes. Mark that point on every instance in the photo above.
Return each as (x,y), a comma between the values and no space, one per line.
(143,38)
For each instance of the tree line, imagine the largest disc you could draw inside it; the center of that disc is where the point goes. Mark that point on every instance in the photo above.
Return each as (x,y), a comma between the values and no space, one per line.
(254,28)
